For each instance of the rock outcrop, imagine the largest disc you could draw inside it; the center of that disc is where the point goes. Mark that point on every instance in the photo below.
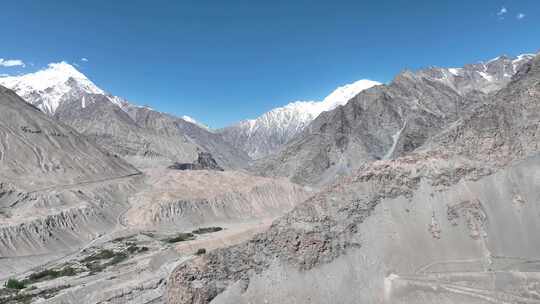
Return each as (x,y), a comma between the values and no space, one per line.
(205,161)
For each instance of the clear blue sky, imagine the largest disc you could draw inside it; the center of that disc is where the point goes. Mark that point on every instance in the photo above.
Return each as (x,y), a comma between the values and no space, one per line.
(223,61)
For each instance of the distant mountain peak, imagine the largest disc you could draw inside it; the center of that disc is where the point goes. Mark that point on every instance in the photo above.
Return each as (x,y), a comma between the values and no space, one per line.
(267,133)
(46,88)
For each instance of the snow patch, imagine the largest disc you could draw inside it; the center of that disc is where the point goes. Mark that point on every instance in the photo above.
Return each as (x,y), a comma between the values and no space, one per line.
(454,71)
(195,122)
(486,76)
(395,139)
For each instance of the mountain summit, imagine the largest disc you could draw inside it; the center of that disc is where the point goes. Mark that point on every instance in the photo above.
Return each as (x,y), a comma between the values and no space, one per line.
(47,88)
(268,133)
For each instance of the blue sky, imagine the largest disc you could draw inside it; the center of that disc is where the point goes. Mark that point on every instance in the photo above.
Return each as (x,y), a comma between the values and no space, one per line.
(223,61)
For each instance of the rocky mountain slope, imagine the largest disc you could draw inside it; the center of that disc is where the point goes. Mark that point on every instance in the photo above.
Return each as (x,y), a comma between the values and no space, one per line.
(468,198)
(41,161)
(138,133)
(187,199)
(268,133)
(37,151)
(388,120)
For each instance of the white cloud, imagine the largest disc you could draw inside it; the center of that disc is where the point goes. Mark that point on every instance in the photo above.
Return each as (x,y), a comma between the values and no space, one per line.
(502,11)
(11,62)
(4,75)
(84,59)
(520,16)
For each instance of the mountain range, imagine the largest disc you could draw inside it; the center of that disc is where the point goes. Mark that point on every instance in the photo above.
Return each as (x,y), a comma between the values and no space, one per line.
(135,132)
(449,216)
(422,190)
(387,121)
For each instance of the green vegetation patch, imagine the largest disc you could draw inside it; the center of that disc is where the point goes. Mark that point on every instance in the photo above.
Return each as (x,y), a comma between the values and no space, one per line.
(26,298)
(181,237)
(15,284)
(124,238)
(50,274)
(207,230)
(104,254)
(118,258)
(136,249)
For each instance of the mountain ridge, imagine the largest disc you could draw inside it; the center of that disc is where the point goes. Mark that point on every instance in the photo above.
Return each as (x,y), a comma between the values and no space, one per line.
(268,133)
(386,121)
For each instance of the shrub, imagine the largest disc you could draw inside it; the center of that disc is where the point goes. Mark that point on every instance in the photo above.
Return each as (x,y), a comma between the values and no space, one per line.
(181,237)
(53,274)
(119,257)
(15,284)
(102,255)
(207,230)
(200,251)
(136,249)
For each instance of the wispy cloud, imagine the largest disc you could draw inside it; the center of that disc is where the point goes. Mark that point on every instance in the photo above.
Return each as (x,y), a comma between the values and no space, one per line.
(4,75)
(84,59)
(11,62)
(502,11)
(520,16)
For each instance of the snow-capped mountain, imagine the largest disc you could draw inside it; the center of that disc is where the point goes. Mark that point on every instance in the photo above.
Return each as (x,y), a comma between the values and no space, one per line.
(119,126)
(47,88)
(269,132)
(392,120)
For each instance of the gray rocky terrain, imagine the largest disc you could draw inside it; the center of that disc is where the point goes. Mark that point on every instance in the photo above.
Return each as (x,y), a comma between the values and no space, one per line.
(452,221)
(140,133)
(387,121)
(41,163)
(424,190)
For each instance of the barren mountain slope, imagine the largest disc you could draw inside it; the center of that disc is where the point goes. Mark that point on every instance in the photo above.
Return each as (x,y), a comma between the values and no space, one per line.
(36,151)
(445,224)
(57,189)
(173,127)
(386,121)
(189,199)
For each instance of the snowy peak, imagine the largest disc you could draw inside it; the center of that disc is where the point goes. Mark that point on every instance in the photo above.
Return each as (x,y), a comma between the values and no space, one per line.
(46,88)
(343,94)
(269,132)
(300,112)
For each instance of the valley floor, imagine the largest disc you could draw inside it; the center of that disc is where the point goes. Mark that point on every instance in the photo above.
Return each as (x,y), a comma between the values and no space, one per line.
(130,263)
